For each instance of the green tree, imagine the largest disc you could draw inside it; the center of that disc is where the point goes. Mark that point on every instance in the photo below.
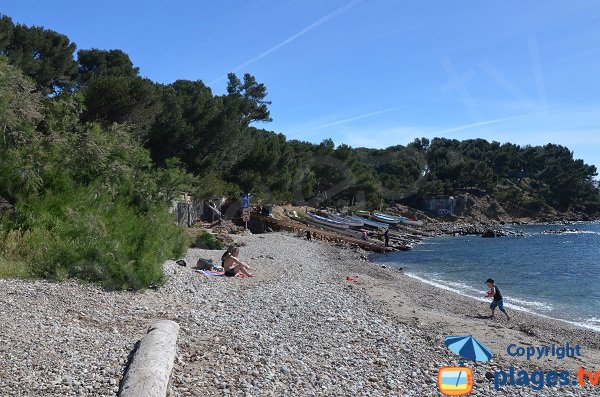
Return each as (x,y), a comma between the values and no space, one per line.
(246,100)
(191,127)
(6,33)
(123,100)
(42,54)
(95,62)
(208,133)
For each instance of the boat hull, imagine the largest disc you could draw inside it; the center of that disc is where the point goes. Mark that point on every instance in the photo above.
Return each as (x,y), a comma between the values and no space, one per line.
(412,223)
(385,218)
(371,223)
(350,221)
(319,220)
(362,214)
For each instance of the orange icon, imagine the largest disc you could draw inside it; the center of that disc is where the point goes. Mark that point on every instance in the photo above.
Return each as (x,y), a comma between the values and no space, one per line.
(455,381)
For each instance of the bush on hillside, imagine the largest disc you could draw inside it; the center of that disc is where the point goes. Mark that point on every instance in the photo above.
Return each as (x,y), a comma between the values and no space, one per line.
(86,201)
(208,240)
(83,234)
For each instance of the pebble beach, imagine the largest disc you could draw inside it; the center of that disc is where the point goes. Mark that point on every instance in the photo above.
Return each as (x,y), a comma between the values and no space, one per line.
(317,320)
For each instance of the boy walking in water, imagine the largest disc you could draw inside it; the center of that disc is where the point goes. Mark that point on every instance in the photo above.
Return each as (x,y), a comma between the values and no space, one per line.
(497,296)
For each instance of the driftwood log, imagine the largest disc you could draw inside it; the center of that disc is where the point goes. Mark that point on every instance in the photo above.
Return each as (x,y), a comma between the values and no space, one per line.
(152,363)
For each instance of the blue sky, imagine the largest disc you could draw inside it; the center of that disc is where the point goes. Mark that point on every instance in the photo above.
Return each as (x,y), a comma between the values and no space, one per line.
(374,72)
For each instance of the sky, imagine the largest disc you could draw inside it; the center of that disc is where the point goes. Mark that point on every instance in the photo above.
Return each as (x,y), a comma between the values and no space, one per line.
(371,73)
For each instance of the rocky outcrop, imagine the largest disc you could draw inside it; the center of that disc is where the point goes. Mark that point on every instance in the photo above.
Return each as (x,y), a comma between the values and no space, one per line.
(489,233)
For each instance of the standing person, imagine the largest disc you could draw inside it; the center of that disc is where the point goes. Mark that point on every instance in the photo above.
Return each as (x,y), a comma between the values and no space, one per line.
(232,265)
(497,298)
(386,236)
(308,235)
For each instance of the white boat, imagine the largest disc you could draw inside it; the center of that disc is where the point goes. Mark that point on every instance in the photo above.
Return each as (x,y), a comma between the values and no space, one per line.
(370,223)
(350,221)
(386,218)
(321,220)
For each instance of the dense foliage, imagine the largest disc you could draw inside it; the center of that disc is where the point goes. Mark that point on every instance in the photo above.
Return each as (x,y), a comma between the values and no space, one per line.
(92,152)
(207,240)
(87,200)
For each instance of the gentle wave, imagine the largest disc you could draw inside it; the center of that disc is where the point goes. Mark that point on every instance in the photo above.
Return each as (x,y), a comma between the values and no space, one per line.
(546,307)
(571,232)
(591,323)
(463,289)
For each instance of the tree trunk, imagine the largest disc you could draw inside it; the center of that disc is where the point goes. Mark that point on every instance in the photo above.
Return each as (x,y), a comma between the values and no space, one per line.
(149,372)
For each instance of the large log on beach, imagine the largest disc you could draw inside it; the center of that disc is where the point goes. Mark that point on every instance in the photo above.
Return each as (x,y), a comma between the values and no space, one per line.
(149,371)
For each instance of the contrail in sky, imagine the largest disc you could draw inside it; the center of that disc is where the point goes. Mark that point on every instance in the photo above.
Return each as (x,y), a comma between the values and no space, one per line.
(338,122)
(362,116)
(478,124)
(307,29)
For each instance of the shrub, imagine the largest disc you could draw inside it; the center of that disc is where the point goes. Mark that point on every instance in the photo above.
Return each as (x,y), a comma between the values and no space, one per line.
(82,233)
(207,240)
(12,243)
(12,269)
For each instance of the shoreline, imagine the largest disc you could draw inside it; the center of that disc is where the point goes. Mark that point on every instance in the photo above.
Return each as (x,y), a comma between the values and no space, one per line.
(509,305)
(418,303)
(513,303)
(298,328)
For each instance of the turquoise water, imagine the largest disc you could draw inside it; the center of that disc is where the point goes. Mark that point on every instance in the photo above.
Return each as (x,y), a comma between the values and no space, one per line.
(556,275)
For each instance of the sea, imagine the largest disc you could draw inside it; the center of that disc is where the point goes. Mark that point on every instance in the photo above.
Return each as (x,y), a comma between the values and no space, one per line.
(551,274)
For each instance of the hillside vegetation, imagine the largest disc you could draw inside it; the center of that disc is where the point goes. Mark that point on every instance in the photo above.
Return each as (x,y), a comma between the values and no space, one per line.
(92,153)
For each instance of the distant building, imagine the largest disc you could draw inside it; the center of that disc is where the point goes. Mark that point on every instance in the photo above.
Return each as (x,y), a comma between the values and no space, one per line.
(442,205)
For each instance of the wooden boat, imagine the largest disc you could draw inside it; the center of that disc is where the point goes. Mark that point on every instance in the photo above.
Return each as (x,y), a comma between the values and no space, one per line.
(386,218)
(321,220)
(349,220)
(371,223)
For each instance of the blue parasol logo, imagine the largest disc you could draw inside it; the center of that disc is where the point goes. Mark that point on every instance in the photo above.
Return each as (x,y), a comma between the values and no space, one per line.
(468,348)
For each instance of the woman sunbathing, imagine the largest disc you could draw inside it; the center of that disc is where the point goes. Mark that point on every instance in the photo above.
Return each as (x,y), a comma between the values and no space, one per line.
(232,265)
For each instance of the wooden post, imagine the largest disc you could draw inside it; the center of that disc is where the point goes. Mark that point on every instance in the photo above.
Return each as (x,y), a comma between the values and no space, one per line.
(189,214)
(149,372)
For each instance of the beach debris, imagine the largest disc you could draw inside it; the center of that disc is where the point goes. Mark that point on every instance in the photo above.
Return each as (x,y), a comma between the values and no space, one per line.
(152,362)
(526,330)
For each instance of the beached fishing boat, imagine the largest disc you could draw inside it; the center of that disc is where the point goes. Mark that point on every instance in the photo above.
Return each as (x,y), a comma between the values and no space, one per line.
(371,223)
(362,214)
(386,218)
(350,221)
(412,222)
(321,220)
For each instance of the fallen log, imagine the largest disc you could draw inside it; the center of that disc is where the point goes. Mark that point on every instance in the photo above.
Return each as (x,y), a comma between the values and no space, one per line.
(152,363)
